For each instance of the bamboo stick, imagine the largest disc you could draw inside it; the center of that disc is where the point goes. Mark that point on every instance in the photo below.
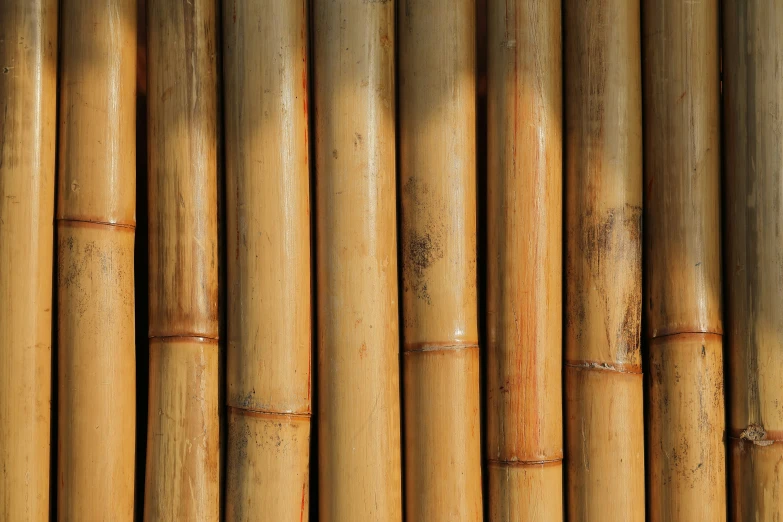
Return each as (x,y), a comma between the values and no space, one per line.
(437,69)
(183,451)
(683,303)
(753,48)
(28,77)
(524,290)
(603,369)
(359,450)
(269,315)
(96,214)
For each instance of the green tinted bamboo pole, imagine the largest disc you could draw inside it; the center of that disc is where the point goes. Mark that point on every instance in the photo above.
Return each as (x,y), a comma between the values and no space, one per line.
(524,289)
(96,214)
(28,78)
(753,48)
(603,368)
(269,304)
(359,473)
(682,223)
(183,461)
(437,97)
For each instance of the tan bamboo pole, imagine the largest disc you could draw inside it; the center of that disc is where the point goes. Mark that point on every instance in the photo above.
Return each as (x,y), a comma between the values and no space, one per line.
(603,367)
(269,303)
(28,78)
(524,289)
(359,454)
(437,104)
(682,241)
(183,450)
(96,213)
(753,48)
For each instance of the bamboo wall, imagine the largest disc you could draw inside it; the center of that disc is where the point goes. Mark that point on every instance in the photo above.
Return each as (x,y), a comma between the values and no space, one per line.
(385,260)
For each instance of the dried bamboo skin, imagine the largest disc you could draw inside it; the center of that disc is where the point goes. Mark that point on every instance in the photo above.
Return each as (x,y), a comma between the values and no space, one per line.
(437,75)
(525,491)
(682,167)
(686,422)
(183,450)
(269,315)
(28,57)
(754,150)
(524,296)
(358,338)
(183,446)
(604,399)
(96,212)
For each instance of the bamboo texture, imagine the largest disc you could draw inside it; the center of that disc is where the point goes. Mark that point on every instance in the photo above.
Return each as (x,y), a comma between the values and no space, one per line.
(437,133)
(96,213)
(753,48)
(683,301)
(524,288)
(269,304)
(359,460)
(28,75)
(183,450)
(603,367)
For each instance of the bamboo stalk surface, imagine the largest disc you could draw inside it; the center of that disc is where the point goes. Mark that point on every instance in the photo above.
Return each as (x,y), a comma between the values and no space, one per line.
(96,218)
(359,453)
(28,77)
(524,289)
(269,303)
(183,448)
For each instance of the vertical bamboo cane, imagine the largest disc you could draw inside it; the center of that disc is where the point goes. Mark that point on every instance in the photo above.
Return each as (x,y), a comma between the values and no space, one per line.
(182,481)
(683,302)
(753,48)
(269,316)
(437,66)
(358,336)
(28,77)
(603,370)
(524,294)
(96,215)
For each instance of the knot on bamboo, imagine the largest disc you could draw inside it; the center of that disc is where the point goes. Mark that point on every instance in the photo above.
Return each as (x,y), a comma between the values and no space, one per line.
(756,434)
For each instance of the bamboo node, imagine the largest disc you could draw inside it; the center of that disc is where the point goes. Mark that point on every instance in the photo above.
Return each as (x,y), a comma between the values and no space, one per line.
(756,434)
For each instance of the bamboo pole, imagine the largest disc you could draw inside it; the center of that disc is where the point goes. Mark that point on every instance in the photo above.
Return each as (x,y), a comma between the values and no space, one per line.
(359,450)
(437,70)
(28,77)
(524,289)
(683,302)
(269,304)
(753,48)
(603,369)
(96,215)
(183,460)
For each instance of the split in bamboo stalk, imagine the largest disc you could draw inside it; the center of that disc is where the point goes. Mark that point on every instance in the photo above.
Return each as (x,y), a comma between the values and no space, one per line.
(269,303)
(183,451)
(28,78)
(437,70)
(753,48)
(603,367)
(96,214)
(524,296)
(358,337)
(682,223)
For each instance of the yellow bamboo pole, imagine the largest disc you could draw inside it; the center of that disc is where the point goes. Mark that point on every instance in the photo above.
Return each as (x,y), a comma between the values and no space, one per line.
(359,450)
(682,241)
(183,461)
(28,78)
(437,69)
(269,303)
(753,48)
(524,288)
(603,368)
(96,214)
